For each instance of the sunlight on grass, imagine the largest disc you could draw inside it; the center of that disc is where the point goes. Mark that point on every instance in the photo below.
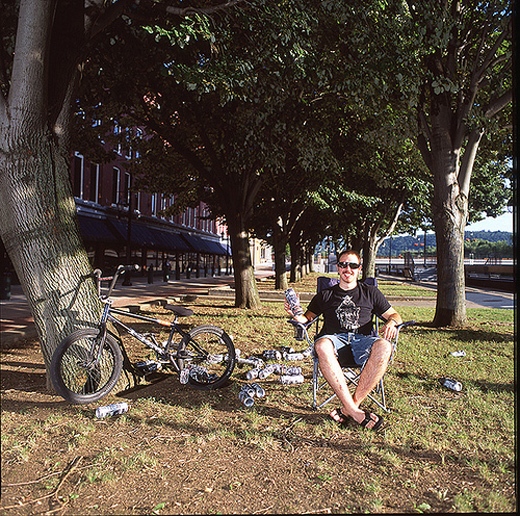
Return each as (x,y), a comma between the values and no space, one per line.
(448,451)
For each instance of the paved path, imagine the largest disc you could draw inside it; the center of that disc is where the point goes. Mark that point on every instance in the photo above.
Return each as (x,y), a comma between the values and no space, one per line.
(16,322)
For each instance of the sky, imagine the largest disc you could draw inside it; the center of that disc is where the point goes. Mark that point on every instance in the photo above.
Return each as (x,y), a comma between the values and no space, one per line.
(502,223)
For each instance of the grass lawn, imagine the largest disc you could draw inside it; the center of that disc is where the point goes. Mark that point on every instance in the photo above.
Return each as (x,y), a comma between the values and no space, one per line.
(181,451)
(388,287)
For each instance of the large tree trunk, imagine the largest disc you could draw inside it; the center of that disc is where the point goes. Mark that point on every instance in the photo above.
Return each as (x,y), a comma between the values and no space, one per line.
(246,289)
(39,228)
(374,237)
(369,257)
(279,245)
(38,223)
(450,210)
(296,272)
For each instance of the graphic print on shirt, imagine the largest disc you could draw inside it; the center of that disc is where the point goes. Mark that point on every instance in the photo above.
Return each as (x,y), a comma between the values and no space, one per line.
(348,314)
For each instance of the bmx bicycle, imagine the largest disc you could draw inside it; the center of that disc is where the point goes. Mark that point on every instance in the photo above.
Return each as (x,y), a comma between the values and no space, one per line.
(87,364)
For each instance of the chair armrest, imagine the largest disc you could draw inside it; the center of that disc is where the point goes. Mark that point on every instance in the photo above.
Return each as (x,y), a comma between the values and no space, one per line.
(297,324)
(405,324)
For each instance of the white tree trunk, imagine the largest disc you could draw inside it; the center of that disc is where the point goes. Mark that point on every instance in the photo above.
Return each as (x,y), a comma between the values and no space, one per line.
(38,226)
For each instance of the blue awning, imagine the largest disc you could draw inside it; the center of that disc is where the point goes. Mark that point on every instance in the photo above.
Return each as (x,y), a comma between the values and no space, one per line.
(170,241)
(94,229)
(204,246)
(115,231)
(139,234)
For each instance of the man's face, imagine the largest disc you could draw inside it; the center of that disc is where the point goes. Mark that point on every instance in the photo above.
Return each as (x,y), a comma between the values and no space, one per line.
(347,270)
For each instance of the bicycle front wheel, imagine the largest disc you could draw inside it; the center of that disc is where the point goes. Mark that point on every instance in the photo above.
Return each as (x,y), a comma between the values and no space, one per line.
(209,354)
(80,377)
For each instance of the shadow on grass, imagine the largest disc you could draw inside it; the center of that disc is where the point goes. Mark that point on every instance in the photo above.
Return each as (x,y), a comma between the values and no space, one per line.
(434,383)
(492,386)
(465,334)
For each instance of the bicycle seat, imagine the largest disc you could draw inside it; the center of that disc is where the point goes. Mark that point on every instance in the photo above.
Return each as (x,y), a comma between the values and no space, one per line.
(179,310)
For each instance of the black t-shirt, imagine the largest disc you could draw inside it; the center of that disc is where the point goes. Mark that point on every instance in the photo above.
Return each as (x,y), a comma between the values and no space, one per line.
(348,310)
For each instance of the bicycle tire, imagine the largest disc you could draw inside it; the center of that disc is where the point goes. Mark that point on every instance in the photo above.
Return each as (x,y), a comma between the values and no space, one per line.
(210,354)
(72,380)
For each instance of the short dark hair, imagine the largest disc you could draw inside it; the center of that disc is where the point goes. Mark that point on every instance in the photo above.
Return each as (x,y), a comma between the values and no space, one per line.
(349,251)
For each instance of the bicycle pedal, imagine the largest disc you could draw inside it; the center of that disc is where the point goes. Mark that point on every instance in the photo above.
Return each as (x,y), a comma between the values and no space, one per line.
(148,366)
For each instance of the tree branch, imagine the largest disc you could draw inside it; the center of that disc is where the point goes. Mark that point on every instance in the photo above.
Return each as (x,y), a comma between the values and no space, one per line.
(422,144)
(468,158)
(498,104)
(187,11)
(477,77)
(30,66)
(490,56)
(101,17)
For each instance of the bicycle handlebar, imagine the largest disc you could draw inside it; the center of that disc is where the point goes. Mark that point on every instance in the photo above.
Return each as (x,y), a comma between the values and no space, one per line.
(121,269)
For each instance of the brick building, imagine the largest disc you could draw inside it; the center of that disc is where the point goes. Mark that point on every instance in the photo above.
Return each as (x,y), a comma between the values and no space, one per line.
(119,225)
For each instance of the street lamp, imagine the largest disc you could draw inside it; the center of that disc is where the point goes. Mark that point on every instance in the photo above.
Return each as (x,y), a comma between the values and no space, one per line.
(126,281)
(226,239)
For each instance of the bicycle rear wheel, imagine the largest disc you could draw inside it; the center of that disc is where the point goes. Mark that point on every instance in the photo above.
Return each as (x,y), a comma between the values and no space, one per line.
(210,355)
(78,376)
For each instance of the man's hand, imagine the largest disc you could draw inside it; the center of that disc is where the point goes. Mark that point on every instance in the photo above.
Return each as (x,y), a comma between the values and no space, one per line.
(393,319)
(389,329)
(299,318)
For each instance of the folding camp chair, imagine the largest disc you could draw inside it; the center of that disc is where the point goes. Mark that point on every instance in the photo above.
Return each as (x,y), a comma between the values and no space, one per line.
(351,370)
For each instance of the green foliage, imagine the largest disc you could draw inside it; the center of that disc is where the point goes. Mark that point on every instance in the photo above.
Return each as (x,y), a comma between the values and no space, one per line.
(292,104)
(484,249)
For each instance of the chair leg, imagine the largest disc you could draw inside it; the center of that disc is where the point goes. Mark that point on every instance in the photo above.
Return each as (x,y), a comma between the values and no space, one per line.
(351,380)
(315,379)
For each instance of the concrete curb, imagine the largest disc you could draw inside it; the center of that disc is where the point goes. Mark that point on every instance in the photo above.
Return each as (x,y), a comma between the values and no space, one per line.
(269,295)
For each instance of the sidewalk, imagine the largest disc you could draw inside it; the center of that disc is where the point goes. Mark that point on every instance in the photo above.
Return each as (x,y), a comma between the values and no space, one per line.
(16,322)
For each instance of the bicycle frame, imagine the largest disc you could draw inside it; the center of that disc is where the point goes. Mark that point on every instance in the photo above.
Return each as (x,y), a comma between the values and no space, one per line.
(174,328)
(88,363)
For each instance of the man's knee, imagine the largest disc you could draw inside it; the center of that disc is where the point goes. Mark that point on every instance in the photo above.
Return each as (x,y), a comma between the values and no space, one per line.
(323,347)
(383,349)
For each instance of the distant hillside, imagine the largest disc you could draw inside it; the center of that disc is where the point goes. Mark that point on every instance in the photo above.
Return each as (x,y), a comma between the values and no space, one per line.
(406,243)
(491,236)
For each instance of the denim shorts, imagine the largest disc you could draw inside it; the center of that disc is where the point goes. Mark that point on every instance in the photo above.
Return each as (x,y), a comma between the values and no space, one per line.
(360,344)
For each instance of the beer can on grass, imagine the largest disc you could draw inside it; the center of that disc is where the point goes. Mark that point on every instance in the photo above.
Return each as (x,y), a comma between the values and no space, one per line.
(111,410)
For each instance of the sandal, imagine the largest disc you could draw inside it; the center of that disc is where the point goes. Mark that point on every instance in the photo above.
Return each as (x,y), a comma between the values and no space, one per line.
(367,420)
(344,421)
(338,417)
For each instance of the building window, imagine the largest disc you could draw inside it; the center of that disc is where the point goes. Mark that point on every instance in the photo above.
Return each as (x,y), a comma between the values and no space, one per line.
(117,131)
(78,175)
(137,202)
(116,179)
(94,183)
(125,198)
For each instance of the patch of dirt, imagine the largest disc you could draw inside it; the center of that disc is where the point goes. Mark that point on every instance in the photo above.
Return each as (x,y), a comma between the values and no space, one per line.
(181,451)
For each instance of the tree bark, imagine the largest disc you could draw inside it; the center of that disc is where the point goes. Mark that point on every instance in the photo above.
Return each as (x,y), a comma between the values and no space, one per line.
(38,222)
(246,289)
(38,225)
(296,272)
(450,211)
(279,245)
(374,237)
(369,258)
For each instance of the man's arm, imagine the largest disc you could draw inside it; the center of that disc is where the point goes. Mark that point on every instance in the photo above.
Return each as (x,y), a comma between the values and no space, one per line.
(393,319)
(306,317)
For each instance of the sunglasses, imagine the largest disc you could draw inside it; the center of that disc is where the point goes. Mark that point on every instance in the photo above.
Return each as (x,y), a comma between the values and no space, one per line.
(352,265)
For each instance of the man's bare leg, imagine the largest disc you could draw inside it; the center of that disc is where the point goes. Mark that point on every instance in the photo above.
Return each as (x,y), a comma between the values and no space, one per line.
(333,373)
(374,370)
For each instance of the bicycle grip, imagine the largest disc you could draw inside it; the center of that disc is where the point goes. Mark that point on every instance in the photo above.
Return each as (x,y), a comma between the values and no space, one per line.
(128,268)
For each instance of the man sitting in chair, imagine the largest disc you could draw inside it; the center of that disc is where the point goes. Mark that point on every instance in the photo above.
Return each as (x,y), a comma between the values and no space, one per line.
(347,309)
